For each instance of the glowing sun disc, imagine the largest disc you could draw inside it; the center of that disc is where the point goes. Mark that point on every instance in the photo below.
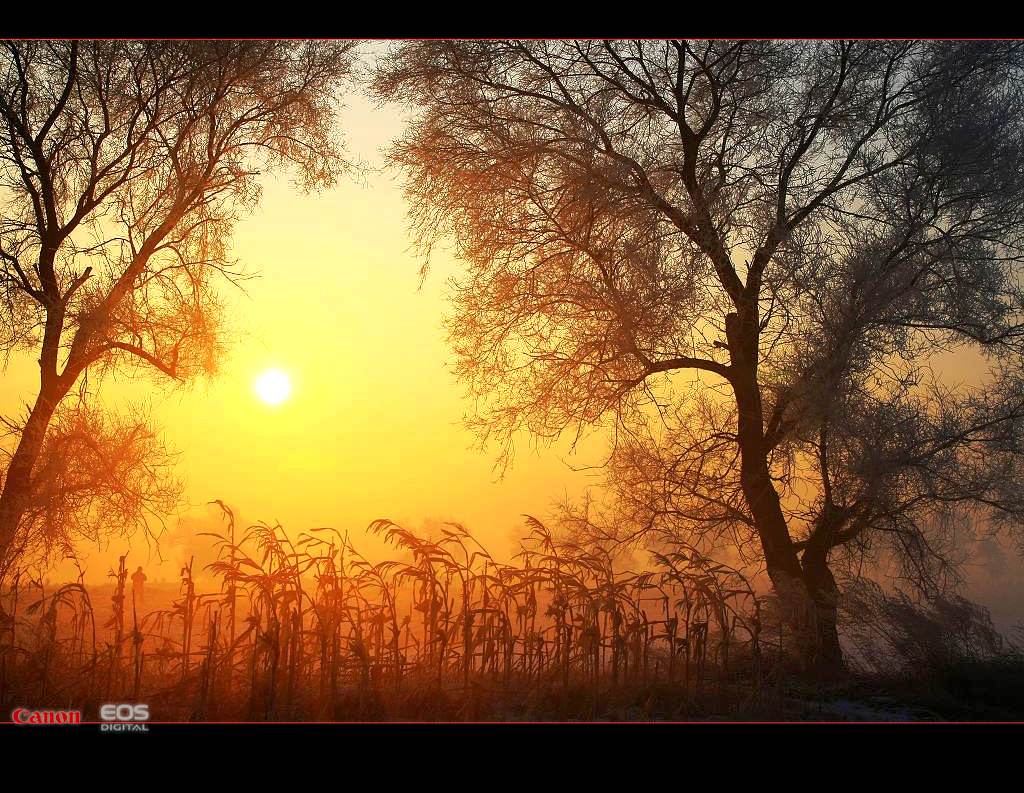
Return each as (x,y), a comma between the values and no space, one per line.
(274,386)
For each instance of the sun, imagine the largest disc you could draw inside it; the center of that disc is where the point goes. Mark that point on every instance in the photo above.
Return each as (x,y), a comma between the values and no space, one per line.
(273,386)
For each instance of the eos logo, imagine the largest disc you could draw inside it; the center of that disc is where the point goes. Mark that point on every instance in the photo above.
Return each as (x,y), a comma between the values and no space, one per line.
(124,717)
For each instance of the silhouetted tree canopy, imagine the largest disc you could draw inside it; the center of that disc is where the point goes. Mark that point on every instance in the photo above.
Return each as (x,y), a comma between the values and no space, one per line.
(753,256)
(123,165)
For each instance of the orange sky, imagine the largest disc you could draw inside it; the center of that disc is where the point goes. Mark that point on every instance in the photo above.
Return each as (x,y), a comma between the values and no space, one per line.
(372,428)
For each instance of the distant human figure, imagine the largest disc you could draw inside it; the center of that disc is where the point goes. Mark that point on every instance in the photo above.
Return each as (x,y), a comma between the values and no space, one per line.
(138,580)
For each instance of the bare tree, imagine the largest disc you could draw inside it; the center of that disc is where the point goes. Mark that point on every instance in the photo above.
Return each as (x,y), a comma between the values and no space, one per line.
(123,165)
(749,253)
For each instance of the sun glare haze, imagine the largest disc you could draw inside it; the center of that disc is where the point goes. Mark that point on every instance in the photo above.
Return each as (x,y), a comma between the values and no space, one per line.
(273,386)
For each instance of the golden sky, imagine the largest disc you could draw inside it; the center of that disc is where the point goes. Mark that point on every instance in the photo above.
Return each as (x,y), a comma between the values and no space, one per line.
(373,425)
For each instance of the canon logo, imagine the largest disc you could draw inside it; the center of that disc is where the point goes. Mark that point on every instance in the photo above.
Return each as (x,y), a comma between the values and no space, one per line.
(26,716)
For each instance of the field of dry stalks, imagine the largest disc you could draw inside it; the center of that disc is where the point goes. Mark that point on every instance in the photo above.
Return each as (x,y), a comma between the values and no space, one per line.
(311,630)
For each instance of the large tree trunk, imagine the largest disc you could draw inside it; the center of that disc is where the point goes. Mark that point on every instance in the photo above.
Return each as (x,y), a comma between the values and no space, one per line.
(806,592)
(17,487)
(811,615)
(824,595)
